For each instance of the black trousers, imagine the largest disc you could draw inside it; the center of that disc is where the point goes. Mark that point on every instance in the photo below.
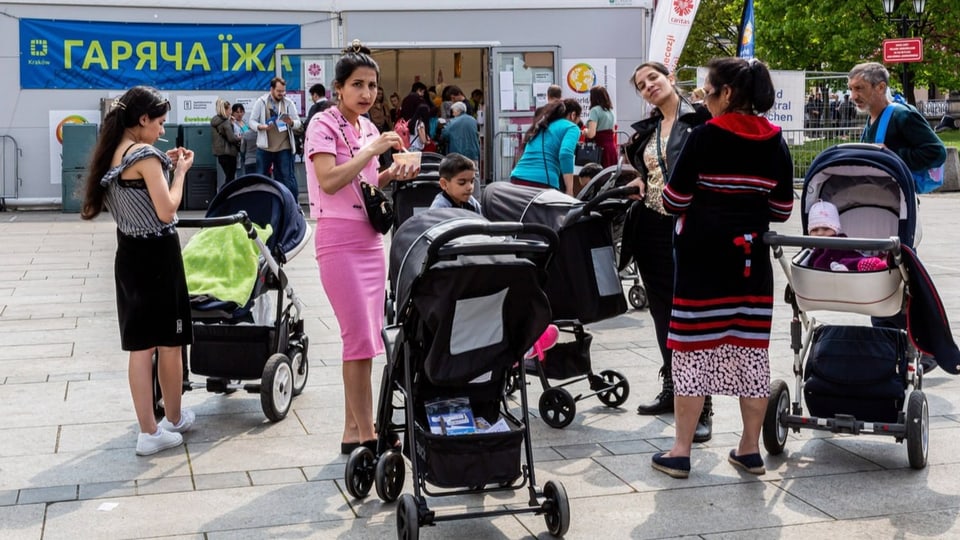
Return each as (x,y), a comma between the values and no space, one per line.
(229,165)
(652,242)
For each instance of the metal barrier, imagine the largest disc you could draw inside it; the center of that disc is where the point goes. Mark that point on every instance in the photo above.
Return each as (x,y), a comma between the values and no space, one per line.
(9,151)
(806,144)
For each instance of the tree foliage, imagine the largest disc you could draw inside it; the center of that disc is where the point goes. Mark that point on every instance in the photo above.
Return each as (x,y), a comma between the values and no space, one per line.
(830,35)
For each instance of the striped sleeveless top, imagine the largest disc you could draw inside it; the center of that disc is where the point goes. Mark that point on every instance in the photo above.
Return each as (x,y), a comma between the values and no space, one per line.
(129,201)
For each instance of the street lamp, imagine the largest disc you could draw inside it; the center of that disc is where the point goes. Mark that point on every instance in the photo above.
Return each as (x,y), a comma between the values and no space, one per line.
(889,6)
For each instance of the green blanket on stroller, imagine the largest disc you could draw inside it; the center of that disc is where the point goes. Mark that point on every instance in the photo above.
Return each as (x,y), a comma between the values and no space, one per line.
(222,262)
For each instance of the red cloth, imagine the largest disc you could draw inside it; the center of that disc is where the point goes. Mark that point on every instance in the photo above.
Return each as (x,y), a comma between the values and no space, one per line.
(607,141)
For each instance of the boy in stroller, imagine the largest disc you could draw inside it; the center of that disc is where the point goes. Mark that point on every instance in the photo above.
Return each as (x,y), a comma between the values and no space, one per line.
(824,220)
(457,179)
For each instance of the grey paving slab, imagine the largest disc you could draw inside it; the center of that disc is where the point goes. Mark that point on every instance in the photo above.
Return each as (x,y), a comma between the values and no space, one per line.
(27,441)
(22,522)
(911,524)
(200,511)
(9,497)
(223,480)
(104,490)
(47,494)
(277,476)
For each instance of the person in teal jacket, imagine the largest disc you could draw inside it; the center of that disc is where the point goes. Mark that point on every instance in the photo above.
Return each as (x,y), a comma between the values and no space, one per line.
(909,135)
(548,148)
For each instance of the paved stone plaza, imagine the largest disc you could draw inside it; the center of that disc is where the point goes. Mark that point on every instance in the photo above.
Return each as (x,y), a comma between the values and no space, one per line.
(68,431)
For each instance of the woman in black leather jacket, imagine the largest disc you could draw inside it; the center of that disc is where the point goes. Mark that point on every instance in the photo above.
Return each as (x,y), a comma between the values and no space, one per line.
(648,233)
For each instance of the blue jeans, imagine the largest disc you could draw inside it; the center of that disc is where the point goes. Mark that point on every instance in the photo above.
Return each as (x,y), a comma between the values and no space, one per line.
(282,163)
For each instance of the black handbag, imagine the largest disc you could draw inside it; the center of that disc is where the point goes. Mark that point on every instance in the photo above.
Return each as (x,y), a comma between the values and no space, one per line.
(379,207)
(587,152)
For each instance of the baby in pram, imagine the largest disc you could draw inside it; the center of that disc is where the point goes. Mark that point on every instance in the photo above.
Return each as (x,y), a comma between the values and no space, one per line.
(824,220)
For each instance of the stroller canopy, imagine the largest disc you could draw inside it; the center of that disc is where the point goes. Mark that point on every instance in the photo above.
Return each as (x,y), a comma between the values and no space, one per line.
(503,201)
(871,187)
(266,201)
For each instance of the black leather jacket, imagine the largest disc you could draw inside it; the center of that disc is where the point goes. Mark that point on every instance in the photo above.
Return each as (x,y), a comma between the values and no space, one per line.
(689,116)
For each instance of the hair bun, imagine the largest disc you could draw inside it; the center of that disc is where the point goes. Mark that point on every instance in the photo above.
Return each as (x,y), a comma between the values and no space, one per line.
(356,47)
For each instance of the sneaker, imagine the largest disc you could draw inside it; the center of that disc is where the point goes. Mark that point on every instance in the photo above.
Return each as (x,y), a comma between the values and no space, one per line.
(151,444)
(546,341)
(186,421)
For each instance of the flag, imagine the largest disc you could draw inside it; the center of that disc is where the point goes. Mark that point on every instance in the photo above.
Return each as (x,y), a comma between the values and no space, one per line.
(745,41)
(671,26)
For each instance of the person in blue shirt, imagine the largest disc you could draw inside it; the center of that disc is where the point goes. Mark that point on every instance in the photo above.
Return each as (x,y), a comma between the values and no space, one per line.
(460,133)
(548,148)
(457,180)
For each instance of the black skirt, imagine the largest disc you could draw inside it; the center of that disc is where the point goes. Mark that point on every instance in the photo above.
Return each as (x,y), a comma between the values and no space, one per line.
(153,305)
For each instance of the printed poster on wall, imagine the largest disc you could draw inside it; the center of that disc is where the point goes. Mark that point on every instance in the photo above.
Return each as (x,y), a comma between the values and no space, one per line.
(57,121)
(195,109)
(579,75)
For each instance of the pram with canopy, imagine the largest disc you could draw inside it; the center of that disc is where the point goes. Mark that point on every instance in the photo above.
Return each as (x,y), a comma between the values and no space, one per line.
(470,303)
(860,379)
(260,336)
(582,285)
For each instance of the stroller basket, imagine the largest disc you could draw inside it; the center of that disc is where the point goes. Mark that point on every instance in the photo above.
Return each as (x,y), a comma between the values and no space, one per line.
(494,458)
(857,370)
(231,351)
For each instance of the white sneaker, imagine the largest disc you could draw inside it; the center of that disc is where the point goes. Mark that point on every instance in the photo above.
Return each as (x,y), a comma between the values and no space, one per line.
(186,421)
(151,444)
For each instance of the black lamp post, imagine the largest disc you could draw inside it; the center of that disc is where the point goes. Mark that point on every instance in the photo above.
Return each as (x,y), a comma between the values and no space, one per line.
(905,23)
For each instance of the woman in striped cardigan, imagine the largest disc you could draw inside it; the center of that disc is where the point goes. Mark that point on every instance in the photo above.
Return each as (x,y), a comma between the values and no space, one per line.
(733,177)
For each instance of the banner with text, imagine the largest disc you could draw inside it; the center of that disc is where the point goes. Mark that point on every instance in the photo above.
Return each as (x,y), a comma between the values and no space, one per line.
(671,26)
(83,55)
(787,110)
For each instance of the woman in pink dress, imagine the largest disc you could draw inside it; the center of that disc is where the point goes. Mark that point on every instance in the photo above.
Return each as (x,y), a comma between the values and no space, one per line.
(343,147)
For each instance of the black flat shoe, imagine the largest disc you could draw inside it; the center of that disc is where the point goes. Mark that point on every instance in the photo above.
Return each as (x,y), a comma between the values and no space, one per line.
(346,448)
(676,467)
(751,463)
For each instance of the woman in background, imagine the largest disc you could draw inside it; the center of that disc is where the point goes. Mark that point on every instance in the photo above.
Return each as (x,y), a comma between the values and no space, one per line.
(600,125)
(548,148)
(226,144)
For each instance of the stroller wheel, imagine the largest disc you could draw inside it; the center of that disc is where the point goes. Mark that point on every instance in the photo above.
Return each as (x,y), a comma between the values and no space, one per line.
(389,476)
(299,365)
(276,387)
(359,472)
(774,431)
(557,407)
(617,389)
(408,518)
(556,508)
(918,430)
(637,296)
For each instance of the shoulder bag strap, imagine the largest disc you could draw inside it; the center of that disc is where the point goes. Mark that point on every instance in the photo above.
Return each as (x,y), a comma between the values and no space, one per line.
(883,122)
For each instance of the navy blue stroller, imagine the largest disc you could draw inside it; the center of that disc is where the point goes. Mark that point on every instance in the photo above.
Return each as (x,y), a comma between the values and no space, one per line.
(860,379)
(261,337)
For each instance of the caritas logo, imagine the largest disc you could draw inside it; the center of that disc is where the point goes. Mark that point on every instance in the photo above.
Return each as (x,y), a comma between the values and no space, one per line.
(682,9)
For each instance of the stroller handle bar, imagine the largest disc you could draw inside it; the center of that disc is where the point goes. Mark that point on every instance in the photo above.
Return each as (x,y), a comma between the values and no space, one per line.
(222,221)
(615,193)
(508,229)
(891,244)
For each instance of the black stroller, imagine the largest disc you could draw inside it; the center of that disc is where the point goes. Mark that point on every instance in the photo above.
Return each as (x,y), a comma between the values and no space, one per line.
(260,337)
(469,303)
(582,285)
